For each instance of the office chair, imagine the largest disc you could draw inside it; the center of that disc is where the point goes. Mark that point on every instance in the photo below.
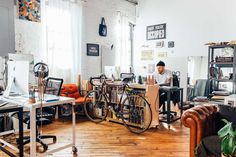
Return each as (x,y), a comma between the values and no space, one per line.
(127,77)
(53,87)
(72,91)
(175,96)
(200,92)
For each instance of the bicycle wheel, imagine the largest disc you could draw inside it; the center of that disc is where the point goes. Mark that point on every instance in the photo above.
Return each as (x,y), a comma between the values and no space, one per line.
(136,113)
(95,106)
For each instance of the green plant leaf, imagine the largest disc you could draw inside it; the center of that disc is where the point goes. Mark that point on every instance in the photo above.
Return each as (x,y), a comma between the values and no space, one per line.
(228,139)
(230,144)
(227,129)
(234,151)
(225,120)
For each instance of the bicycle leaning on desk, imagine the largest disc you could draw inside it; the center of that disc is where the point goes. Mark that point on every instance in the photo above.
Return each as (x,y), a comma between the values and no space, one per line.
(22,101)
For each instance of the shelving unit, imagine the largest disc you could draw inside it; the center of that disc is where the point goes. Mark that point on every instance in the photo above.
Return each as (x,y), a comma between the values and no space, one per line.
(220,65)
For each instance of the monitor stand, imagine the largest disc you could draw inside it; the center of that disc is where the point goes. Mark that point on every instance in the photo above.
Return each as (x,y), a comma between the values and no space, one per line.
(8,92)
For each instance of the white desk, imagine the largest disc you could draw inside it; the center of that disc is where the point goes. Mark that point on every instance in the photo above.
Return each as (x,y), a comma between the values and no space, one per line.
(32,108)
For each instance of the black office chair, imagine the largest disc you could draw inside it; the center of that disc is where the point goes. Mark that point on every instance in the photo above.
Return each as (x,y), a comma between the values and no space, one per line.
(199,93)
(127,77)
(44,116)
(175,96)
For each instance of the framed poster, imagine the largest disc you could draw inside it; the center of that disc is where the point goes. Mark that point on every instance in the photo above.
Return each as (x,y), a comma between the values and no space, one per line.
(155,32)
(29,10)
(171,44)
(92,49)
(147,55)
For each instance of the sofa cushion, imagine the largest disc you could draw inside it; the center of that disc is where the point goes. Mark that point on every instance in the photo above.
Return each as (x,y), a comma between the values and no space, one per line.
(226,112)
(70,90)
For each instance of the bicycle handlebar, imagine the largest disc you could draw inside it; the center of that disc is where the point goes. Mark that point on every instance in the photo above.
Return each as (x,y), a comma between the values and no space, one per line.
(101,77)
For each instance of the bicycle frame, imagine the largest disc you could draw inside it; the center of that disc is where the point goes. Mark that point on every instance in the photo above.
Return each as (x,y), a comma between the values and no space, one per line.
(124,92)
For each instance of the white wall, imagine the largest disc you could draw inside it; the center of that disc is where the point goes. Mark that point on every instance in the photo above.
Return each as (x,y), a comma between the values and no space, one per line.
(93,11)
(190,24)
(28,37)
(28,34)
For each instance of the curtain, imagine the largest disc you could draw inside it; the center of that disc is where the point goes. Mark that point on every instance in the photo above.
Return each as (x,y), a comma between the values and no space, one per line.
(62,25)
(124,43)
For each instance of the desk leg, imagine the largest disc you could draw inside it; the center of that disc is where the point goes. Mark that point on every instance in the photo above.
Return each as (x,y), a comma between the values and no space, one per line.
(33,152)
(168,109)
(57,113)
(74,149)
(21,134)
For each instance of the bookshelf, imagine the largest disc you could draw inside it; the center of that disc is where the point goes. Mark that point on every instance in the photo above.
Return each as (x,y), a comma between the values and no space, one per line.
(218,63)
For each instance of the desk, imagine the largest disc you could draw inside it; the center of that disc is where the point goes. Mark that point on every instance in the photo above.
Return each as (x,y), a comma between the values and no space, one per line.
(168,91)
(19,109)
(32,108)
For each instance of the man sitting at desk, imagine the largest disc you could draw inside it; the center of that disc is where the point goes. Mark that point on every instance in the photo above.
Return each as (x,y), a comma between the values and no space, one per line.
(163,77)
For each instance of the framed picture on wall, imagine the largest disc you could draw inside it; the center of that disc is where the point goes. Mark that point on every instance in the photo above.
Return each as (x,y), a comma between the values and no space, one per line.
(92,49)
(155,32)
(30,10)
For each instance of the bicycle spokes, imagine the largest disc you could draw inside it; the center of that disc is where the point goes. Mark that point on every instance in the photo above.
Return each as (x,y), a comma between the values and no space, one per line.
(136,113)
(95,106)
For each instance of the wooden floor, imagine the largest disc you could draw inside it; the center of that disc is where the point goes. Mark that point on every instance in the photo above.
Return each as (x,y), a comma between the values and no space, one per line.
(114,140)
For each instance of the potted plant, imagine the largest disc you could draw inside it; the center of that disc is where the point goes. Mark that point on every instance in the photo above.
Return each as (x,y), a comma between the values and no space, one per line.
(228,139)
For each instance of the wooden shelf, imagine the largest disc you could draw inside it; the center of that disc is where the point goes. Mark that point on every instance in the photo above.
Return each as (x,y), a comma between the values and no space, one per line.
(221,46)
(223,64)
(223,80)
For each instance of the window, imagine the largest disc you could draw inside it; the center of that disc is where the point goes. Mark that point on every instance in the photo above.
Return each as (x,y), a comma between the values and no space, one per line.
(125,43)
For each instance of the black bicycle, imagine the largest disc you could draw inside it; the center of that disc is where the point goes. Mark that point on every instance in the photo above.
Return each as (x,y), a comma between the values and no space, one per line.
(131,107)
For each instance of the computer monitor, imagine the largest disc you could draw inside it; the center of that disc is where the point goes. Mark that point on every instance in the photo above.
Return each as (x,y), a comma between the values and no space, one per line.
(18,78)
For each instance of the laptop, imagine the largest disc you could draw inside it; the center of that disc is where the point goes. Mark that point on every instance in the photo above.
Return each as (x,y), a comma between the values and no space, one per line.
(50,98)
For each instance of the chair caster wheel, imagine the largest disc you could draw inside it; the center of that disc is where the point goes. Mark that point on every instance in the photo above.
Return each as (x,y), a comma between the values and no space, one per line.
(74,150)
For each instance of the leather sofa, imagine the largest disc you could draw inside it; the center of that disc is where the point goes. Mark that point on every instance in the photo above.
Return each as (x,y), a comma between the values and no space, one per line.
(202,122)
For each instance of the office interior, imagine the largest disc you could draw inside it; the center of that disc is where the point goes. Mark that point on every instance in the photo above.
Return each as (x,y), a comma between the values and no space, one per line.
(119,78)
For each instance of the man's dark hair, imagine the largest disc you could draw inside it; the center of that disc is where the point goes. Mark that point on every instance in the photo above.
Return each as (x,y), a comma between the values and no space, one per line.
(161,63)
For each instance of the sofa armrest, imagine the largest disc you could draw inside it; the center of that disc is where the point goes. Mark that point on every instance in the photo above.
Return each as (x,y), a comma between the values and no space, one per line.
(201,121)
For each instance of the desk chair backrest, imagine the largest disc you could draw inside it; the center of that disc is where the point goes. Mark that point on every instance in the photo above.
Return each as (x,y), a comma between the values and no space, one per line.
(53,86)
(127,77)
(175,97)
(175,80)
(202,88)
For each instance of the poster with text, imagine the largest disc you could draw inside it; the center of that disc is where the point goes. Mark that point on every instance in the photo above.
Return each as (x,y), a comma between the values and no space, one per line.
(155,32)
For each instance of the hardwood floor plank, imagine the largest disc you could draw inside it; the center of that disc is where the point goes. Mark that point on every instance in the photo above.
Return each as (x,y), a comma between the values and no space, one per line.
(114,140)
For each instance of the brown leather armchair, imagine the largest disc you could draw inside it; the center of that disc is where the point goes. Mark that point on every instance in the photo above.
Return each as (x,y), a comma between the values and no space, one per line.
(201,121)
